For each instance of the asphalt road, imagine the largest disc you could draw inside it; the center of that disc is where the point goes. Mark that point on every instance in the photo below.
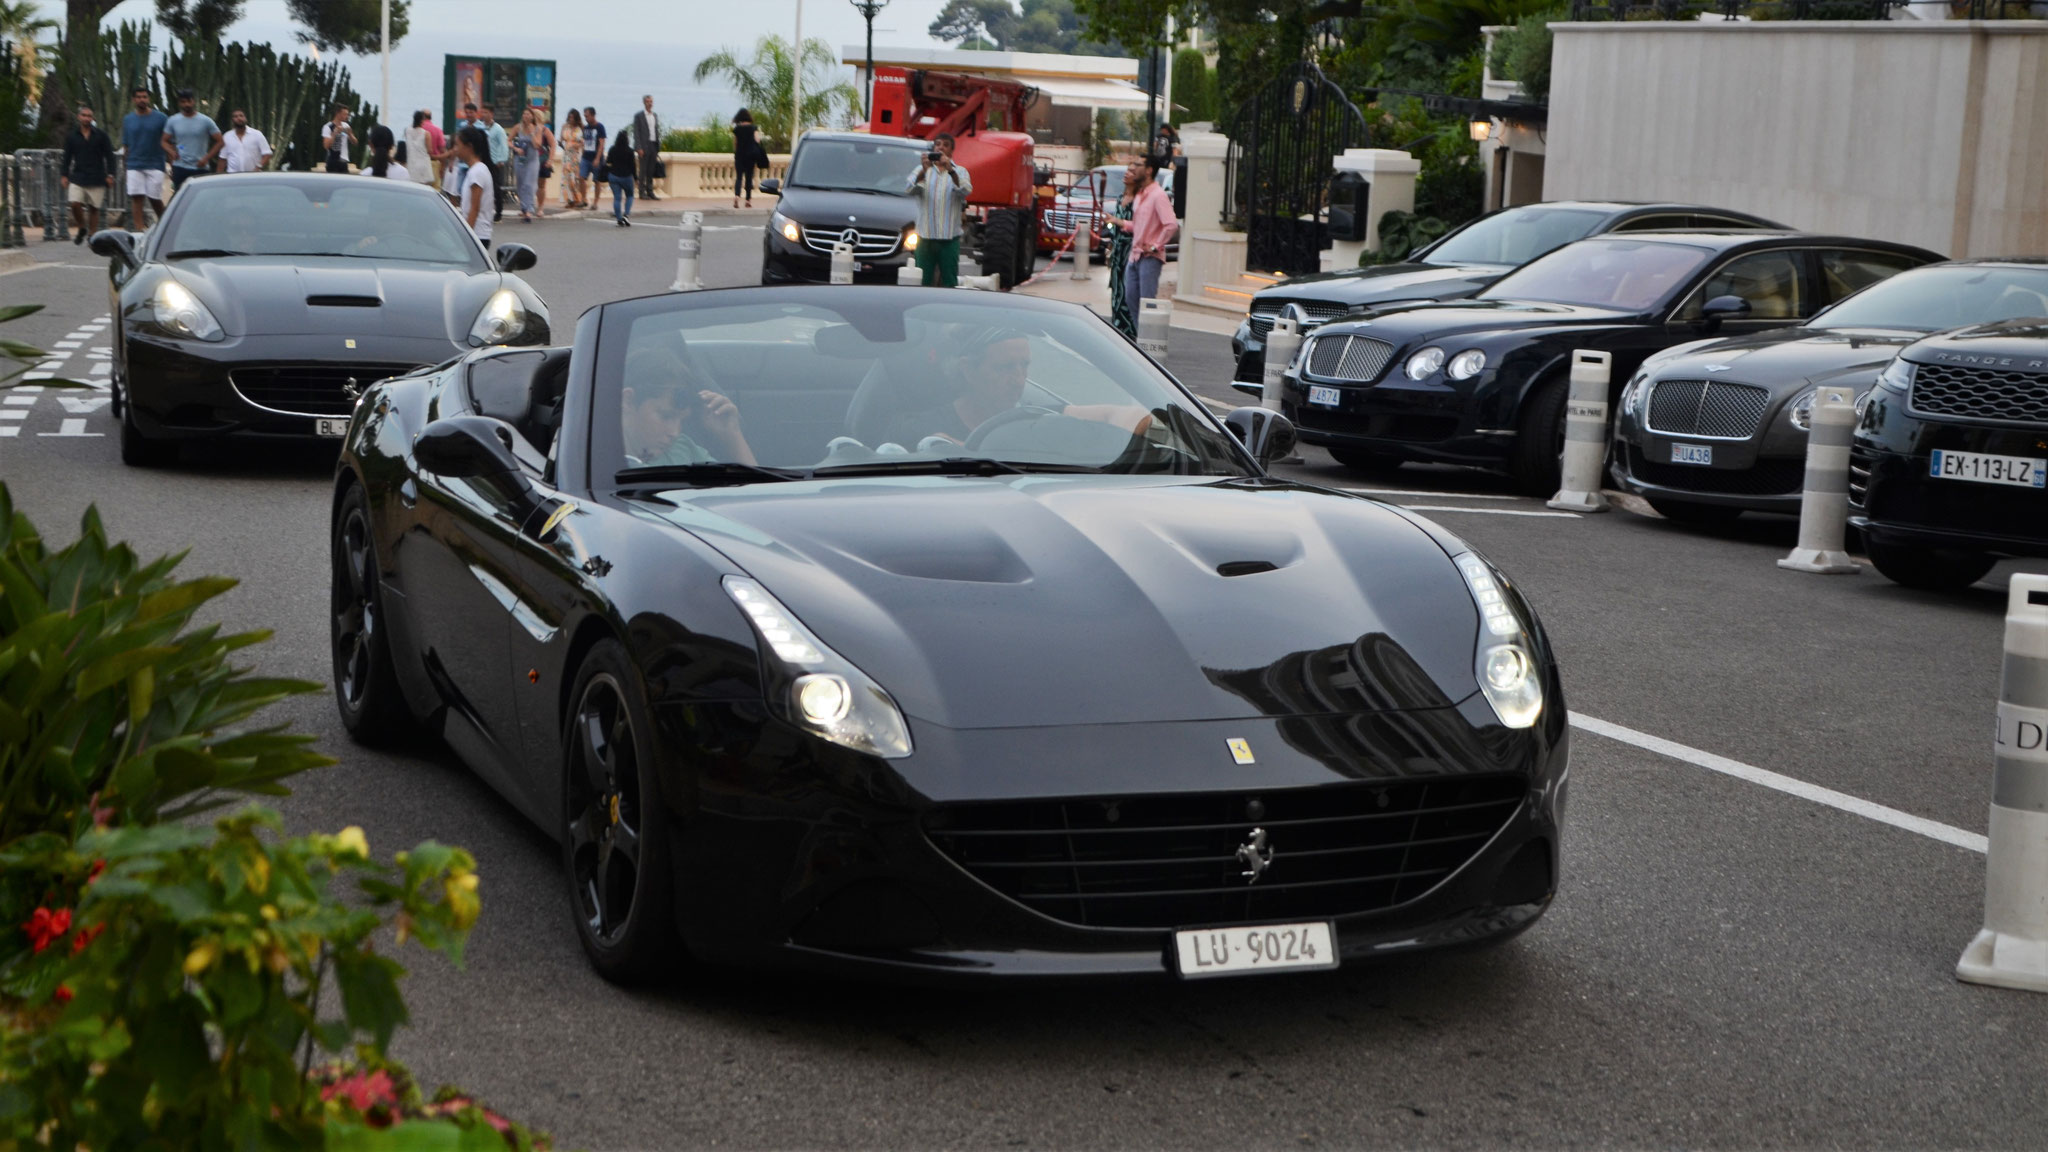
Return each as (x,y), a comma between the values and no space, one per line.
(1727,964)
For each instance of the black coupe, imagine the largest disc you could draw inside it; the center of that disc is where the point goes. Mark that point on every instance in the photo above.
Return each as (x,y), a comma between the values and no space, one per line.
(937,633)
(1482,381)
(263,303)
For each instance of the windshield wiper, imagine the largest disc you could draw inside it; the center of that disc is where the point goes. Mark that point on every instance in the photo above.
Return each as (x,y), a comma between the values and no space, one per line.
(949,466)
(200,253)
(710,474)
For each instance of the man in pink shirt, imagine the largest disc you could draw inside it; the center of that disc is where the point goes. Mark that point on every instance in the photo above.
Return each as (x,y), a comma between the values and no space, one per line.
(1152,225)
(435,140)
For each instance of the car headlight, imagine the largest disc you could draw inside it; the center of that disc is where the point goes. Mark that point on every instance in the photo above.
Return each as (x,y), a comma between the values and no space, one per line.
(1632,396)
(1467,364)
(1863,399)
(503,318)
(180,313)
(910,240)
(1508,674)
(786,226)
(1802,410)
(1897,376)
(814,687)
(1425,364)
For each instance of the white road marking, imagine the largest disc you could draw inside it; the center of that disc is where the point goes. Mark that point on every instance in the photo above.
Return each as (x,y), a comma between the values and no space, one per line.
(18,400)
(1486,511)
(66,344)
(103,368)
(1437,495)
(13,413)
(10,429)
(84,405)
(72,428)
(1920,825)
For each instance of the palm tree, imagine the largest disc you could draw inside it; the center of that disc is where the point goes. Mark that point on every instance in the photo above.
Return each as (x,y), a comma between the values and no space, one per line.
(763,84)
(21,24)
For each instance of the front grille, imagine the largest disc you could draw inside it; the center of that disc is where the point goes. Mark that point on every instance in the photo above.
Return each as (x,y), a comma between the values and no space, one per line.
(867,243)
(1162,861)
(1979,393)
(1262,322)
(1355,358)
(310,389)
(1771,476)
(1062,221)
(1859,476)
(1707,408)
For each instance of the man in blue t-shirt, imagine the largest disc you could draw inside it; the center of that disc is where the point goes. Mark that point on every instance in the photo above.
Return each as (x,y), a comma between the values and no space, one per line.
(142,141)
(192,139)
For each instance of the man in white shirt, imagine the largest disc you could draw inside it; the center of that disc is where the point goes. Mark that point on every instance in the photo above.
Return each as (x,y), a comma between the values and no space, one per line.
(244,149)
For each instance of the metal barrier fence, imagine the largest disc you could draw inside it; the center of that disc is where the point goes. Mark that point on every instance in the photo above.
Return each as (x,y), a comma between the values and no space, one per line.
(32,195)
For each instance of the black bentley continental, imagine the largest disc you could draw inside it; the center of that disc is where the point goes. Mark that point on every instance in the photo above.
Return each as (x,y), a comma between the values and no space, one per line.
(264,303)
(1483,381)
(938,635)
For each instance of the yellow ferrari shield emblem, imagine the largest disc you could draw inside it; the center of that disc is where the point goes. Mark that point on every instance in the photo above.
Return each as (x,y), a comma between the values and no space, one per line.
(615,809)
(1241,751)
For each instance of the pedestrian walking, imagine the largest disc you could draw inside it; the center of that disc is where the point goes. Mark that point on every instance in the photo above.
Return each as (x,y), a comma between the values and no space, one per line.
(526,160)
(473,202)
(1151,226)
(417,150)
(142,142)
(88,173)
(618,172)
(942,188)
(1115,257)
(647,142)
(499,158)
(452,167)
(593,155)
(337,139)
(547,162)
(573,175)
(746,145)
(382,164)
(243,149)
(191,140)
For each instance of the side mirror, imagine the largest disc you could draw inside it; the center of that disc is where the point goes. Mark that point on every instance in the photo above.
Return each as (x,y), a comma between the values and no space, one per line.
(1269,435)
(115,244)
(770,187)
(1255,391)
(464,446)
(515,257)
(1722,308)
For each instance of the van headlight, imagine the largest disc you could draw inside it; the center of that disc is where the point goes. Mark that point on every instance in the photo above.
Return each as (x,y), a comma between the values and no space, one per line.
(502,319)
(910,240)
(814,687)
(1505,662)
(787,227)
(180,313)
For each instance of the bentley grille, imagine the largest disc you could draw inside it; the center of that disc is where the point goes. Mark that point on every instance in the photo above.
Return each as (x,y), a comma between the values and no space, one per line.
(1713,408)
(1979,393)
(867,243)
(1162,861)
(309,389)
(1355,358)
(1262,322)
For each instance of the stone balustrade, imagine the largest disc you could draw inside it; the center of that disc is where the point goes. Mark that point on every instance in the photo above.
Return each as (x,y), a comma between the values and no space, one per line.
(700,175)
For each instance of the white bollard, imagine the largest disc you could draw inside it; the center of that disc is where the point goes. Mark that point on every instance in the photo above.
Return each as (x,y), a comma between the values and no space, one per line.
(842,263)
(982,283)
(1155,316)
(909,276)
(2012,949)
(1084,233)
(1585,434)
(689,253)
(1824,508)
(1281,345)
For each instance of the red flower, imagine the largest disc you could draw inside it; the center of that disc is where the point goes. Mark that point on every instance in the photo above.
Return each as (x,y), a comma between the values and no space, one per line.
(366,1093)
(98,866)
(63,995)
(44,926)
(86,936)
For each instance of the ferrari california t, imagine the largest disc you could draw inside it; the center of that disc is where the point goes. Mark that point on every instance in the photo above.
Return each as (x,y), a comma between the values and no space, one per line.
(939,634)
(262,304)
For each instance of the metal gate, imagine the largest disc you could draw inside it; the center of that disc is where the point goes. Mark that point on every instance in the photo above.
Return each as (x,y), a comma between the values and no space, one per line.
(1278,186)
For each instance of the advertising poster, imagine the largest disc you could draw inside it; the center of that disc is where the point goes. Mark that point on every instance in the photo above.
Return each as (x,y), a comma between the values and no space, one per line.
(469,84)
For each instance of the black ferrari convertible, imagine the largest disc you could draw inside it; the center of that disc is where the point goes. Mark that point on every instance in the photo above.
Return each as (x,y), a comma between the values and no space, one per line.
(263,303)
(942,634)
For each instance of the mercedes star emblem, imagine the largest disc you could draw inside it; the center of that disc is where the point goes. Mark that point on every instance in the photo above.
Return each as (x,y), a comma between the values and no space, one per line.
(850,237)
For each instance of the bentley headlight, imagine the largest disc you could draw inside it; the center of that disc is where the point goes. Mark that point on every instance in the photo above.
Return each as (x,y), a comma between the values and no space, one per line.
(910,240)
(1507,670)
(180,313)
(786,226)
(1467,364)
(502,319)
(1897,376)
(1802,410)
(1425,363)
(814,687)
(1632,396)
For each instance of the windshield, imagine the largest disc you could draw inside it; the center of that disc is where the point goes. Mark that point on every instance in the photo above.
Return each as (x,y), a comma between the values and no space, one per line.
(369,219)
(1516,236)
(1608,272)
(846,382)
(855,166)
(1949,296)
(1109,180)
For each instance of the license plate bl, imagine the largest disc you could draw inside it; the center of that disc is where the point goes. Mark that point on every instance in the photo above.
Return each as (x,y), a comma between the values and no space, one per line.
(330,426)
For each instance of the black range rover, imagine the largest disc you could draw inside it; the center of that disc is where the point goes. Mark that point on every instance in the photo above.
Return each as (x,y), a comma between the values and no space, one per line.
(1949,471)
(842,187)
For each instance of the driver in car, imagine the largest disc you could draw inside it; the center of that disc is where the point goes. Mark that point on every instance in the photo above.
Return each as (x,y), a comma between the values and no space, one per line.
(991,369)
(662,405)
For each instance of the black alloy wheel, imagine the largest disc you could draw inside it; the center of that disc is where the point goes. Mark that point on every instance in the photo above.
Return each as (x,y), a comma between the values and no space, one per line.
(614,846)
(1929,569)
(1537,460)
(366,690)
(1361,460)
(1686,512)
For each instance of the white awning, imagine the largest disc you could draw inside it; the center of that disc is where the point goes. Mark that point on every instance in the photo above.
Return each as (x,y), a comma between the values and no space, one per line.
(1083,92)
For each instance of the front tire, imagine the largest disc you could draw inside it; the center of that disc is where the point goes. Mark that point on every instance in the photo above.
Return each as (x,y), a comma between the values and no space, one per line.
(614,830)
(366,689)
(1000,241)
(1929,569)
(1536,462)
(1683,512)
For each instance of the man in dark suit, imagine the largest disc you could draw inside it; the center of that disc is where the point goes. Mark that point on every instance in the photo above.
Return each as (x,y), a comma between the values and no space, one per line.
(647,142)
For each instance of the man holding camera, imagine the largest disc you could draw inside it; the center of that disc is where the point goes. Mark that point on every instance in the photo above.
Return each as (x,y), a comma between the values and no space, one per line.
(942,189)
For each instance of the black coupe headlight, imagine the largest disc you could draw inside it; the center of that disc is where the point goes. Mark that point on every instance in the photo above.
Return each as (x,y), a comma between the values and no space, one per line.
(816,688)
(1506,660)
(180,313)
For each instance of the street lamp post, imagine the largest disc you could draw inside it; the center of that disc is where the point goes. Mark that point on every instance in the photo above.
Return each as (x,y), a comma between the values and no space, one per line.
(869,9)
(384,109)
(796,82)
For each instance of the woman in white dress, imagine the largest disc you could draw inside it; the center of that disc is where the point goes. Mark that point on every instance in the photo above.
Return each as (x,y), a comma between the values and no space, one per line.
(419,150)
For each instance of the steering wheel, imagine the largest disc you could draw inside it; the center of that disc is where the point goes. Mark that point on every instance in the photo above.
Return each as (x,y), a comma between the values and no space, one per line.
(1009,416)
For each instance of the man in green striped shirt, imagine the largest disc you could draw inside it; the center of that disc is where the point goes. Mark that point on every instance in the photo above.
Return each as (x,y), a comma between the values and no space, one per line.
(942,189)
